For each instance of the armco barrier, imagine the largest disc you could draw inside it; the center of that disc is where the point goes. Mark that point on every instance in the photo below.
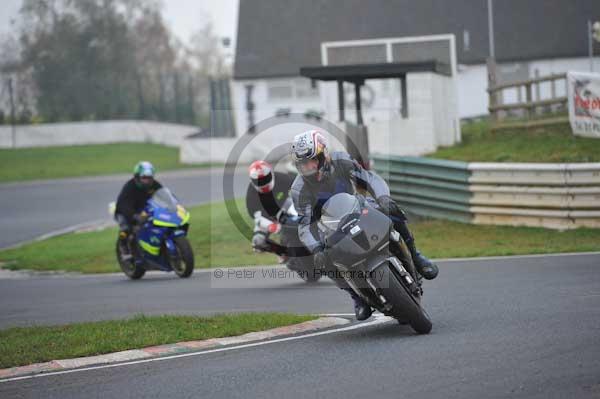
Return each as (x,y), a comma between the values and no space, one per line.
(560,196)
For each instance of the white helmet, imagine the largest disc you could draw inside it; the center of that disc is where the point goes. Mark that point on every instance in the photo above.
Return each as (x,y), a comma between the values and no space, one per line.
(311,155)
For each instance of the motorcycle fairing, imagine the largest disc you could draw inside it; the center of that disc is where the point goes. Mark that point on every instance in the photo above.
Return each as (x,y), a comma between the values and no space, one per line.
(163,217)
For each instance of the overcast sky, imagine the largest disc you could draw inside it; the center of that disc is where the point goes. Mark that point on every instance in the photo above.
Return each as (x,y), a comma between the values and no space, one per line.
(183,16)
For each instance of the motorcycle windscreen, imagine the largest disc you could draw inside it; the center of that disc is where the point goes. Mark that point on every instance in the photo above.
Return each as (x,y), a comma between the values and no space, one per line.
(163,198)
(366,233)
(338,210)
(166,209)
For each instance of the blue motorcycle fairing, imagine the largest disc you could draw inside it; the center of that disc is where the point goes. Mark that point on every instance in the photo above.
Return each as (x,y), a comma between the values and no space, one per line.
(170,245)
(151,237)
(163,214)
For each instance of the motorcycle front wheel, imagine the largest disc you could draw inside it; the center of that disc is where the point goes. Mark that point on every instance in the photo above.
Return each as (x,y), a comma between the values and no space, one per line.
(131,270)
(404,304)
(183,263)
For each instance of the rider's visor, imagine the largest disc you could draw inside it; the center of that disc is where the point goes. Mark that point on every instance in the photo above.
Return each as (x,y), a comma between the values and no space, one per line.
(307,167)
(263,180)
(146,180)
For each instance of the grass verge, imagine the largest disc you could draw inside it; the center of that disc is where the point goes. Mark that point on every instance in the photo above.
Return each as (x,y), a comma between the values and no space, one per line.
(85,160)
(446,239)
(548,144)
(217,243)
(213,236)
(26,345)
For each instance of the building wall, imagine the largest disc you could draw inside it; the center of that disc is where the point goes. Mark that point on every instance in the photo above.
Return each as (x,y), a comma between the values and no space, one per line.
(471,88)
(266,105)
(432,119)
(432,109)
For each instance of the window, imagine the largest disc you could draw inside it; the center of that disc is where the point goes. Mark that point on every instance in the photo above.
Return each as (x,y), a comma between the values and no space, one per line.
(299,88)
(280,90)
(466,40)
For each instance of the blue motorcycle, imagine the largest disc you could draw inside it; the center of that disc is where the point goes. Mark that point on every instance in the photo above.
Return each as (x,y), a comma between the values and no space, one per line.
(160,243)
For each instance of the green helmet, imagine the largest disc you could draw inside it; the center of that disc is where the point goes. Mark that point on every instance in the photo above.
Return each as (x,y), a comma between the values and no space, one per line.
(143,169)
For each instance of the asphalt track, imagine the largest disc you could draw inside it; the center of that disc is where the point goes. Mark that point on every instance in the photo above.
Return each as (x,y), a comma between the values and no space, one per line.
(32,209)
(524,327)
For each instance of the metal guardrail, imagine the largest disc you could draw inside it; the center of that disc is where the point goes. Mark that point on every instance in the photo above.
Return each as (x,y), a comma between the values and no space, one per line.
(550,195)
(428,187)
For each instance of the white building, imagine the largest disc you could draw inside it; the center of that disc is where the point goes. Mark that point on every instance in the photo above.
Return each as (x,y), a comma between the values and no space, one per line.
(277,38)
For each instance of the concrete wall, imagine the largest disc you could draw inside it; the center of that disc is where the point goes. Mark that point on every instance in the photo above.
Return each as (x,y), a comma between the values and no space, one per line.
(101,132)
(271,142)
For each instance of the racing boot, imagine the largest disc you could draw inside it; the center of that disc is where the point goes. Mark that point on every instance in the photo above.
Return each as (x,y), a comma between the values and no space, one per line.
(362,311)
(424,266)
(124,246)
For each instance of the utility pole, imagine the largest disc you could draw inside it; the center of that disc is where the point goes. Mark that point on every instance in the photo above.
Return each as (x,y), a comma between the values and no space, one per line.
(490,8)
(12,113)
(591,45)
(593,34)
(491,61)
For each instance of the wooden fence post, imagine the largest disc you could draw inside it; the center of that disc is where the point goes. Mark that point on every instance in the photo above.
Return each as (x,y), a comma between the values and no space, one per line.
(528,109)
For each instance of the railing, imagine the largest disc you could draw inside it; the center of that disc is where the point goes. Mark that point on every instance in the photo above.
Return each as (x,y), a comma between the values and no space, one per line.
(527,109)
(559,196)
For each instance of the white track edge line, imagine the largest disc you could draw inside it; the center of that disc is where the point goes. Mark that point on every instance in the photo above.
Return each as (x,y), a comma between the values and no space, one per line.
(506,257)
(378,320)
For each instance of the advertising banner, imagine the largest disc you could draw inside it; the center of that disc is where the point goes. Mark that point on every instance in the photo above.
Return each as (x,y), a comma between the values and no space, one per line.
(584,103)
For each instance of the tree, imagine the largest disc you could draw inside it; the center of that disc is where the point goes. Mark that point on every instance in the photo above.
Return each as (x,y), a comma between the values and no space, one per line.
(80,54)
(106,59)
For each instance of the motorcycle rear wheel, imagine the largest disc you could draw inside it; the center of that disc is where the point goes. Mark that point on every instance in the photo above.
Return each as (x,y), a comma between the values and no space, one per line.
(131,270)
(404,304)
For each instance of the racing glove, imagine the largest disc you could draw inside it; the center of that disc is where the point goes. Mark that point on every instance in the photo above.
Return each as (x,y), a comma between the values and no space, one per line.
(388,205)
(259,242)
(141,217)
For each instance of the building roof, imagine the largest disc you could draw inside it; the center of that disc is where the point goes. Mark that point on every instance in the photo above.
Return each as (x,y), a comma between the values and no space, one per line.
(353,73)
(277,37)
